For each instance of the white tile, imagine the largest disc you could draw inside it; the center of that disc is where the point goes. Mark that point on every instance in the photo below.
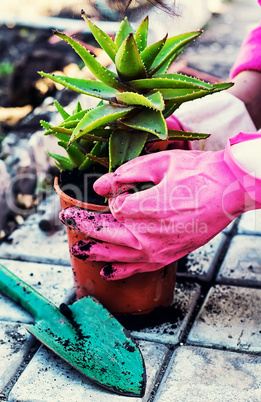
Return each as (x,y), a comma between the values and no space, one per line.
(30,243)
(15,343)
(231,318)
(242,263)
(201,262)
(199,375)
(250,222)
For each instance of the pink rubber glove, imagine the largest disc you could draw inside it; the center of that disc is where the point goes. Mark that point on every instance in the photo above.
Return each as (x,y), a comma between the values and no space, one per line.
(195,196)
(249,57)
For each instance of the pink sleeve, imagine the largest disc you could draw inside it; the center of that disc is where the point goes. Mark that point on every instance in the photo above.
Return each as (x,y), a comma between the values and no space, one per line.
(249,57)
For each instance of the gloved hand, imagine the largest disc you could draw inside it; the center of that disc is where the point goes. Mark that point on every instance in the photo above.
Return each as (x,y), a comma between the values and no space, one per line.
(249,57)
(195,196)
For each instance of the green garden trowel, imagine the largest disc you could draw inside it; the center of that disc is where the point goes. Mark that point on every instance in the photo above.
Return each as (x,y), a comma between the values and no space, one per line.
(84,334)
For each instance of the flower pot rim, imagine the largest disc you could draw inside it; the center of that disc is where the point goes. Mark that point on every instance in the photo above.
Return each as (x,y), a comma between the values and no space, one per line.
(78,203)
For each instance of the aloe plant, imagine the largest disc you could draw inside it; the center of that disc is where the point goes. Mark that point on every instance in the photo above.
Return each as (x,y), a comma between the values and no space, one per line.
(134,101)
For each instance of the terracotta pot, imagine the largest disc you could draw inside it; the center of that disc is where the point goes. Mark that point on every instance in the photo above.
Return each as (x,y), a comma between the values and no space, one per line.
(138,294)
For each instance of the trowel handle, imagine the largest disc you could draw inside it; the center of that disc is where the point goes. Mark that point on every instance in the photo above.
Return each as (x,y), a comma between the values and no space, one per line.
(22,293)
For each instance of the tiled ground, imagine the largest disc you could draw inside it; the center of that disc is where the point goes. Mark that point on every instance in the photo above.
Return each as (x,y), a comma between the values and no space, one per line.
(207,349)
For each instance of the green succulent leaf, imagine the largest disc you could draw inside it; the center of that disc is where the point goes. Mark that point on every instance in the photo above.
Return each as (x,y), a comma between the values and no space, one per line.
(141,34)
(93,88)
(75,155)
(47,126)
(128,62)
(69,124)
(62,130)
(222,86)
(124,146)
(63,162)
(183,94)
(172,48)
(149,54)
(124,30)
(169,81)
(154,101)
(186,136)
(170,107)
(96,118)
(61,137)
(149,120)
(61,110)
(183,81)
(165,66)
(95,151)
(102,73)
(104,40)
(78,108)
(75,117)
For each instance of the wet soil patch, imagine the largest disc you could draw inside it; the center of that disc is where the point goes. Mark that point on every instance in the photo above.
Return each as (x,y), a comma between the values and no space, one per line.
(172,315)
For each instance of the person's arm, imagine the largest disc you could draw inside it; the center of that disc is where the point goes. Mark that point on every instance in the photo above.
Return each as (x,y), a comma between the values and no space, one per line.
(225,114)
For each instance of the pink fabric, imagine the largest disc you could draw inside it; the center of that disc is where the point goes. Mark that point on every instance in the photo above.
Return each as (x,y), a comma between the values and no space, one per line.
(195,195)
(249,57)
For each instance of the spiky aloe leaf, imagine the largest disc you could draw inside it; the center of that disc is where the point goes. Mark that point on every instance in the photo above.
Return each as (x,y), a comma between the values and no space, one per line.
(165,66)
(75,117)
(172,47)
(78,108)
(102,73)
(62,130)
(93,88)
(169,81)
(128,62)
(186,136)
(97,117)
(61,137)
(75,155)
(181,95)
(221,86)
(170,107)
(96,149)
(104,40)
(149,54)
(61,110)
(148,120)
(104,161)
(63,162)
(47,126)
(124,146)
(154,101)
(141,34)
(124,30)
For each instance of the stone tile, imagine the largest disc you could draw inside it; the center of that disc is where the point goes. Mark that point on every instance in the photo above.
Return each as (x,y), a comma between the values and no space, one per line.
(52,281)
(48,378)
(169,324)
(230,318)
(15,343)
(30,243)
(250,222)
(242,263)
(199,374)
(201,262)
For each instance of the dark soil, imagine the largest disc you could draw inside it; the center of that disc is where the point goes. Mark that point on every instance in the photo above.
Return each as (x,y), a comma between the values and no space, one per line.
(80,182)
(24,52)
